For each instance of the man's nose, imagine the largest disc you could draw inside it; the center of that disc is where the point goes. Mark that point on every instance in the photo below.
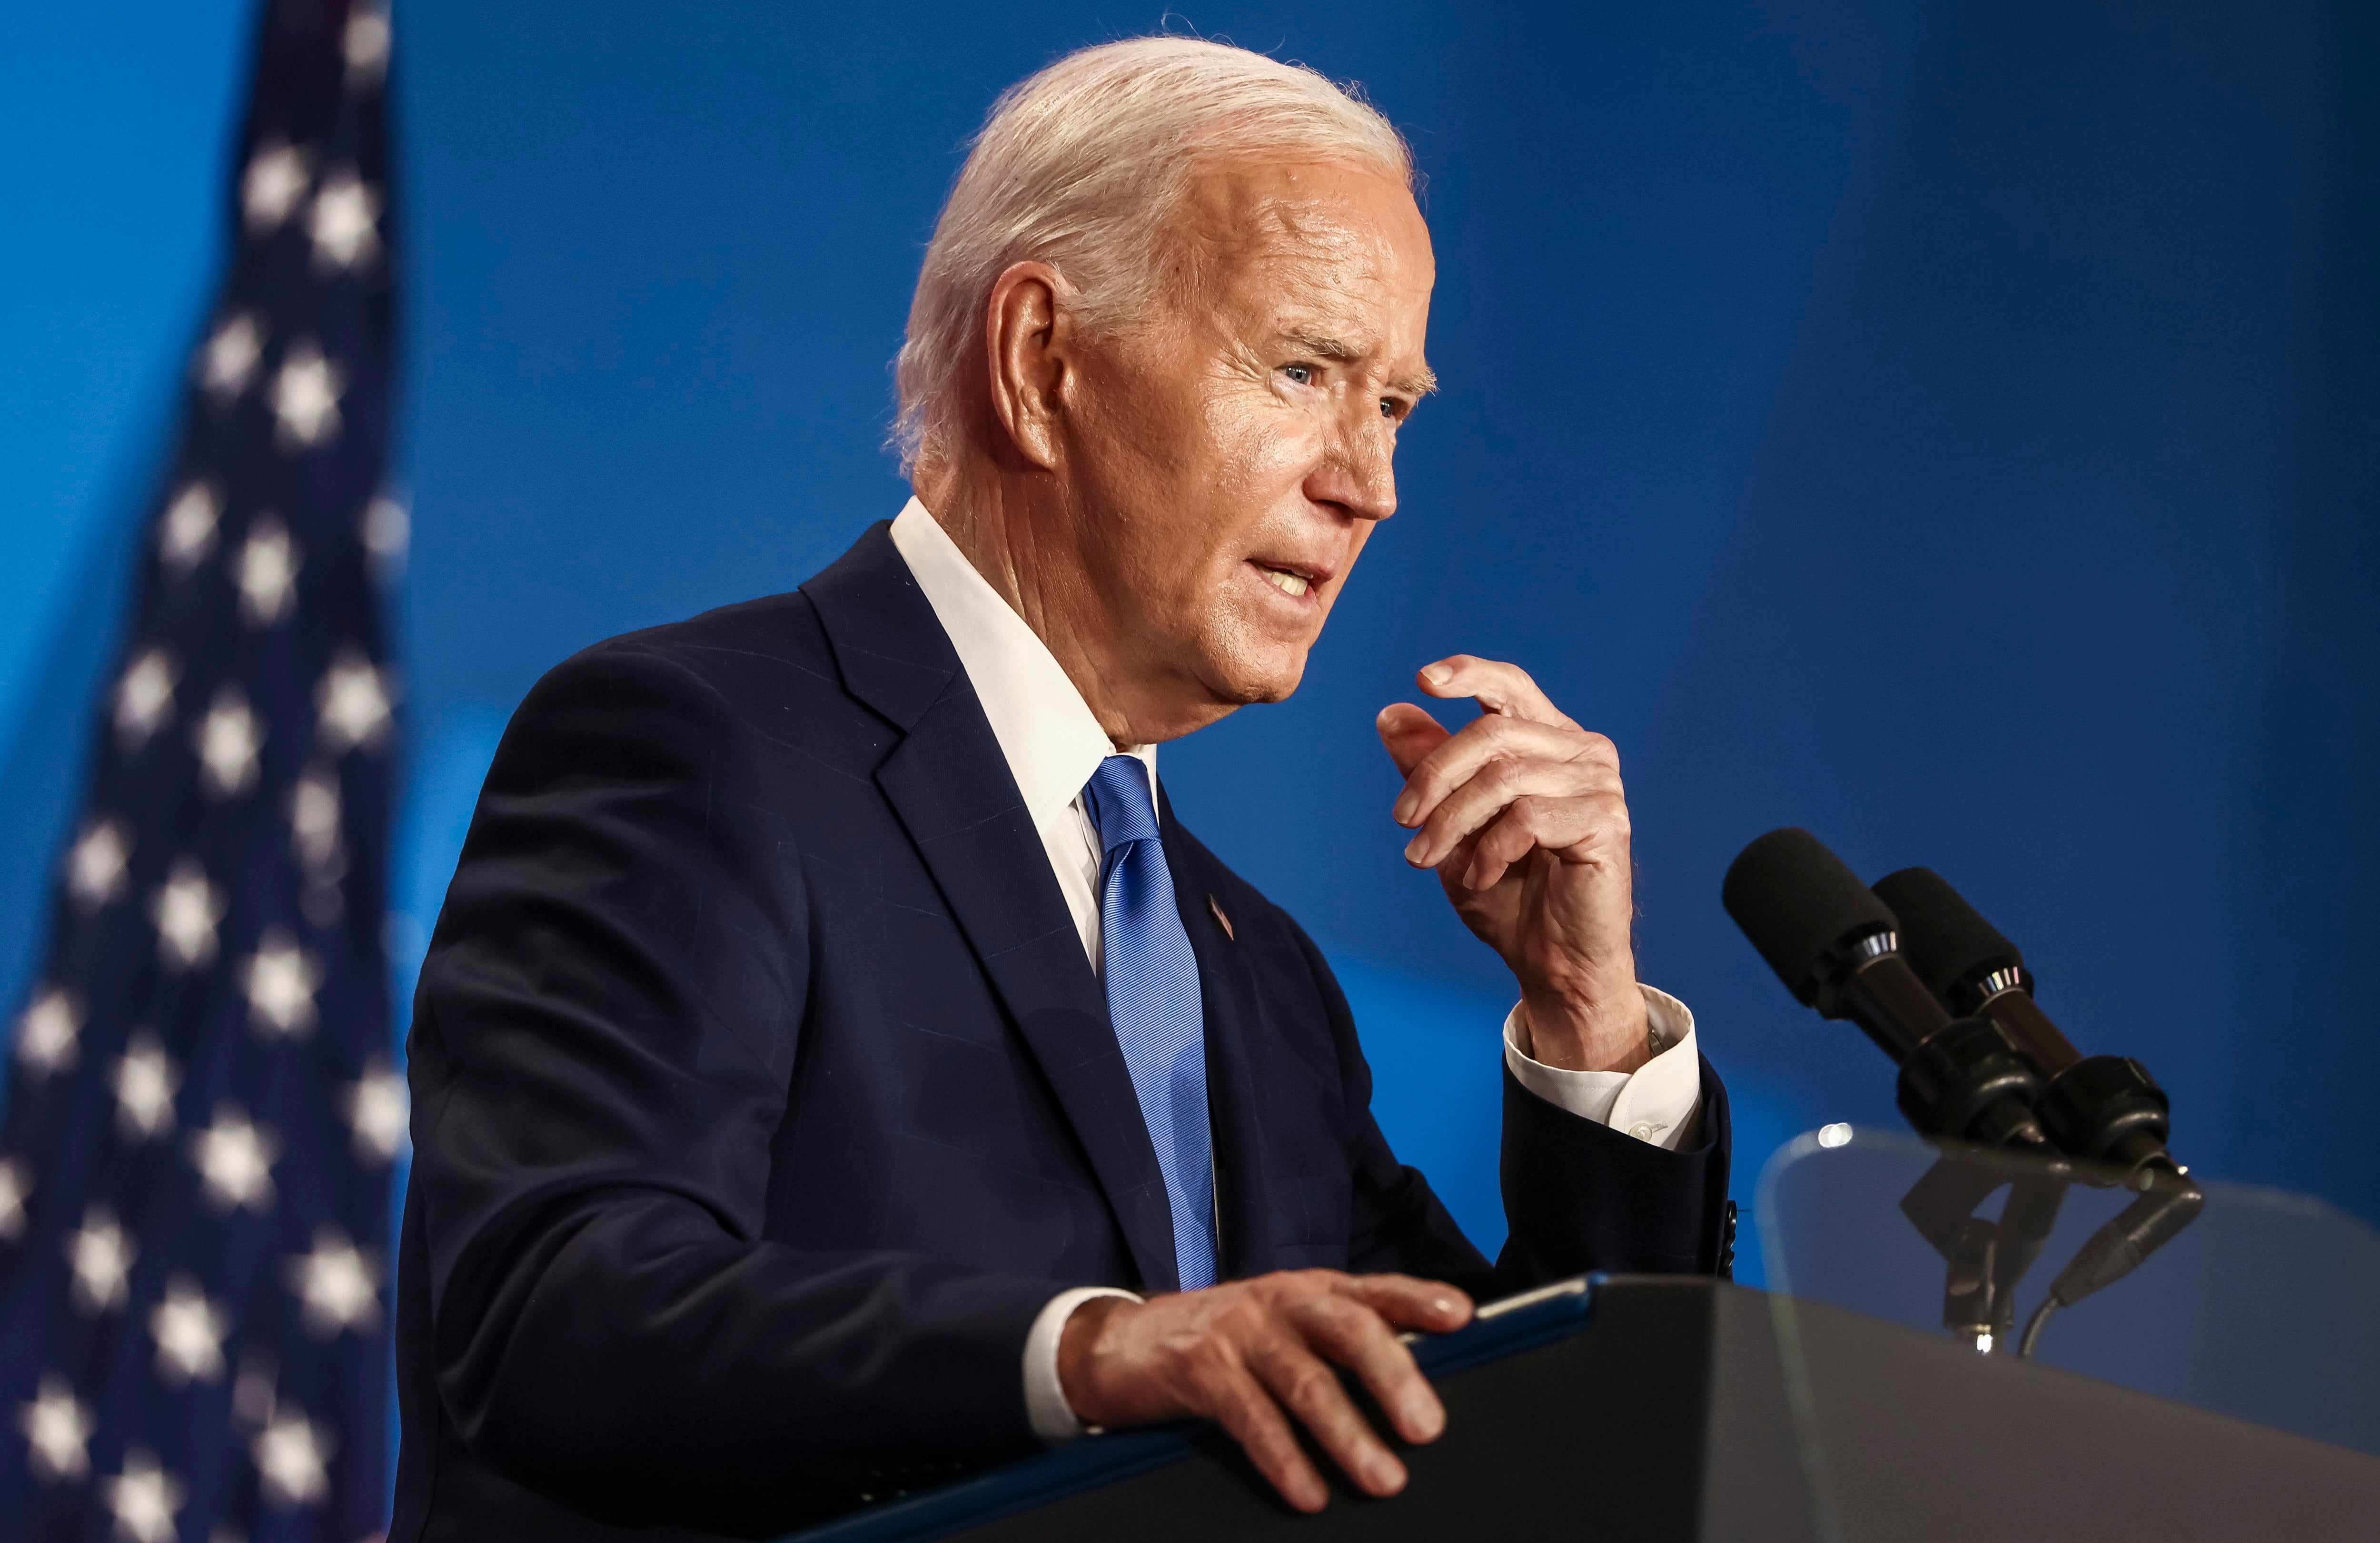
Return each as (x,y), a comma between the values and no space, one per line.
(1358,474)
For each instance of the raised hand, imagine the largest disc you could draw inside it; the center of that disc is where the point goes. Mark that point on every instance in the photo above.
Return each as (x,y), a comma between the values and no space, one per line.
(1253,1354)
(1523,817)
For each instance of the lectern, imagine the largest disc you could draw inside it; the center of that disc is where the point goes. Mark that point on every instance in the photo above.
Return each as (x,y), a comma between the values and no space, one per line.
(1658,1407)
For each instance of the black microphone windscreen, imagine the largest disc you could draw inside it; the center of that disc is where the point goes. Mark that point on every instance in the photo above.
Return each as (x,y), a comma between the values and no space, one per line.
(1797,902)
(1943,938)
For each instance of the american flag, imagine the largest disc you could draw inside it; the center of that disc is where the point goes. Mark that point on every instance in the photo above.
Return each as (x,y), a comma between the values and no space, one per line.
(202,1112)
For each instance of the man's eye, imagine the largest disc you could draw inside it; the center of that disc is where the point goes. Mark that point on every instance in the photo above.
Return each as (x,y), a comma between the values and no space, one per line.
(1301,373)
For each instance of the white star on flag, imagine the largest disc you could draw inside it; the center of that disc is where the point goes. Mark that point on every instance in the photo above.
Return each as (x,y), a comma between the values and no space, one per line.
(144,695)
(290,1452)
(47,1031)
(305,398)
(353,700)
(144,1500)
(337,1283)
(96,864)
(314,817)
(275,181)
(227,740)
(365,47)
(57,1427)
(232,352)
(145,1082)
(344,222)
(101,1256)
(187,532)
(185,908)
(281,979)
(189,1332)
(266,571)
(378,1110)
(16,1186)
(235,1160)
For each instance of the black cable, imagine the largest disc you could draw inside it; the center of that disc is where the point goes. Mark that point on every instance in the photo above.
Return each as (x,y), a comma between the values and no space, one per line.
(2169,1200)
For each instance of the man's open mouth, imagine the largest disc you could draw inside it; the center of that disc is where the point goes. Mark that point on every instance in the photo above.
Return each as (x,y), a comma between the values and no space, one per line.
(1292,582)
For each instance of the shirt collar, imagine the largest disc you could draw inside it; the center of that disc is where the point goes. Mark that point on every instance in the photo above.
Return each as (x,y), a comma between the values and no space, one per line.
(1047,732)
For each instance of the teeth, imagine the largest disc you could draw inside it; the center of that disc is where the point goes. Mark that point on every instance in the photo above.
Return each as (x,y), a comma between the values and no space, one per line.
(1287,583)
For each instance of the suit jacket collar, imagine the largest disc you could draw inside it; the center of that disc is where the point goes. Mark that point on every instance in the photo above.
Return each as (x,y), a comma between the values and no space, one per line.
(892,653)
(1047,734)
(949,783)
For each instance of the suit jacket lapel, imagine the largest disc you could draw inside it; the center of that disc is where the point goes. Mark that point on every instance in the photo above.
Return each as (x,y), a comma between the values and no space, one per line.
(949,785)
(1235,1038)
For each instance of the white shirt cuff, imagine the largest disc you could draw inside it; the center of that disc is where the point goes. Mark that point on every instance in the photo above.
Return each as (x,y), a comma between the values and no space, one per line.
(1660,1102)
(1045,1397)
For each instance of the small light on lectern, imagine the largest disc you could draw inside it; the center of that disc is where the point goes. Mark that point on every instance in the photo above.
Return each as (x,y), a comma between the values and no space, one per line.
(1836,1135)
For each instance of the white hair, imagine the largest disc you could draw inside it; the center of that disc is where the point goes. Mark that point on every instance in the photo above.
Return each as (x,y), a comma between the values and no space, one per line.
(1082,165)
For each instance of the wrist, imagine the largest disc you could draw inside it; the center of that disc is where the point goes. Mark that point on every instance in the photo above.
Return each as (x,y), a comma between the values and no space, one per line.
(1607,1030)
(1079,1344)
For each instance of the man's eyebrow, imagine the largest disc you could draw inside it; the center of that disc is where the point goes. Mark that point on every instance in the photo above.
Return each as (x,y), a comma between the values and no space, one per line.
(1323,345)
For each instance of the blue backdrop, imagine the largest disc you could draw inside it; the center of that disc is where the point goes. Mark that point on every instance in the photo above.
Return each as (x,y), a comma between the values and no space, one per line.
(1953,426)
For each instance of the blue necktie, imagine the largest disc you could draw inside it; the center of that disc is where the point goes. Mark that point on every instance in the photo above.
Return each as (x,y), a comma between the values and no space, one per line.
(1152,981)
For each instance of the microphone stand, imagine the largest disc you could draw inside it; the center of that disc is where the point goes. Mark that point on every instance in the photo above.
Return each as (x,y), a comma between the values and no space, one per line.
(1986,1258)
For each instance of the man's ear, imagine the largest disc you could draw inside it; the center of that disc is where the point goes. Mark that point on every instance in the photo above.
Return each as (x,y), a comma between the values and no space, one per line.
(1028,344)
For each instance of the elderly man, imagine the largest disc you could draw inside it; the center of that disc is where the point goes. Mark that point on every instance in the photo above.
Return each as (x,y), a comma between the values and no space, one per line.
(835,1064)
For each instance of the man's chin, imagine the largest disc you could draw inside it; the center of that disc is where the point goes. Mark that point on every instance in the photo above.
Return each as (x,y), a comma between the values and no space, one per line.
(1249,683)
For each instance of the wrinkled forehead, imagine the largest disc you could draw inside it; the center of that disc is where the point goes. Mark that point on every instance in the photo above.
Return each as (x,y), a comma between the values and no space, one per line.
(1330,234)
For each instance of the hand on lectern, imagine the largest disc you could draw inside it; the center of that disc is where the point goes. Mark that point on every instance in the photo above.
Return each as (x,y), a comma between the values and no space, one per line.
(1242,1353)
(1523,814)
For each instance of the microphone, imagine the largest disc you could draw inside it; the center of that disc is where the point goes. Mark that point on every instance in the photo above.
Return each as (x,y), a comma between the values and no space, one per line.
(1835,946)
(2103,1108)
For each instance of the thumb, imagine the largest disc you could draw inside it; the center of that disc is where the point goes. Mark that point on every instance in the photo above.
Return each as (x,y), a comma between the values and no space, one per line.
(1410,734)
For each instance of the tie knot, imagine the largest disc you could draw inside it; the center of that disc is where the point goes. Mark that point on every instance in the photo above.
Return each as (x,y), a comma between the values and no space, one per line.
(1118,801)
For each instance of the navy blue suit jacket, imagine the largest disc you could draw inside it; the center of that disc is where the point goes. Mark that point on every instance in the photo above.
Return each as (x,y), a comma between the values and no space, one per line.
(762,1096)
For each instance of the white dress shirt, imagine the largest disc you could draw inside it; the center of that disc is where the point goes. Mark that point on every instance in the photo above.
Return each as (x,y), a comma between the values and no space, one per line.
(1053,744)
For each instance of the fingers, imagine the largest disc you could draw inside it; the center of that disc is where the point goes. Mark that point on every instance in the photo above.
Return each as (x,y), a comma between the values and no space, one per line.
(1529,824)
(1248,1413)
(1460,789)
(1318,1318)
(1357,1338)
(1350,1324)
(1411,1303)
(1258,1357)
(1410,734)
(1456,758)
(1501,688)
(1520,725)
(1308,1387)
(1562,798)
